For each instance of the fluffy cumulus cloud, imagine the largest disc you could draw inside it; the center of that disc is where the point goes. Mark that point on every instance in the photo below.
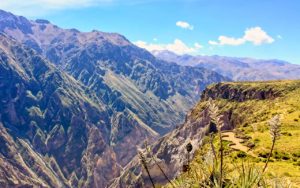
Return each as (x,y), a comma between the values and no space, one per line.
(254,35)
(184,25)
(177,47)
(257,36)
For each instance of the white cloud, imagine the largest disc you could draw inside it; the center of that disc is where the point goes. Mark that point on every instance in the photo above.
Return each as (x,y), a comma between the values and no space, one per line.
(254,35)
(177,47)
(279,36)
(257,36)
(198,46)
(223,40)
(184,25)
(149,47)
(213,42)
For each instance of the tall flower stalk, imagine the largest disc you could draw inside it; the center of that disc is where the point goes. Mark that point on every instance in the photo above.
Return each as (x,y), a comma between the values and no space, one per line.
(216,119)
(275,126)
(144,164)
(148,149)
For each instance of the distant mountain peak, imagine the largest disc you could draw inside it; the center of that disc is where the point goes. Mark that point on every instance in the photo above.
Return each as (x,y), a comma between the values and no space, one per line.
(236,68)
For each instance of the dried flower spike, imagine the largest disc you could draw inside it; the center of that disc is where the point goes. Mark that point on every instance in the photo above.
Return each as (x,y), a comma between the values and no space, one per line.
(275,134)
(215,117)
(275,127)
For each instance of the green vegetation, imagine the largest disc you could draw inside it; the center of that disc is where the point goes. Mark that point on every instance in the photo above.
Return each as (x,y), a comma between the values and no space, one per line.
(249,158)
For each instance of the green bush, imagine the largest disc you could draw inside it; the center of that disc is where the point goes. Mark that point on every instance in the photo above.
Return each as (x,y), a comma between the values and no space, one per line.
(241,154)
(286,134)
(297,154)
(297,163)
(250,145)
(263,154)
(281,155)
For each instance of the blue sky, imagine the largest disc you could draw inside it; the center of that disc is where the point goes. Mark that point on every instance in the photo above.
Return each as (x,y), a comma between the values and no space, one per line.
(242,28)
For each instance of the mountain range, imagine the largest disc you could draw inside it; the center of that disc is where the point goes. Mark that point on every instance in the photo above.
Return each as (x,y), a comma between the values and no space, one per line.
(76,105)
(237,69)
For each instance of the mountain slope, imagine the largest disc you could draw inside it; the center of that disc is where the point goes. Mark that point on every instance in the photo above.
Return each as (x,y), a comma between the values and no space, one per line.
(238,69)
(89,56)
(80,103)
(42,111)
(246,107)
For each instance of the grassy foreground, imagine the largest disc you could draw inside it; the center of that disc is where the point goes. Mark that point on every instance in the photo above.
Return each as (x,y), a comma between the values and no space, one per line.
(247,147)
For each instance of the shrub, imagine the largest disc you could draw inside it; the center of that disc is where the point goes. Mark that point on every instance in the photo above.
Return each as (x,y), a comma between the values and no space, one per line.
(297,163)
(287,174)
(263,154)
(250,145)
(297,154)
(281,155)
(286,134)
(256,140)
(241,154)
(285,157)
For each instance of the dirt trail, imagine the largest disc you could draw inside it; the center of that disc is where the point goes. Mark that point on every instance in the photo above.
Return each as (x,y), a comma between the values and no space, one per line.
(237,145)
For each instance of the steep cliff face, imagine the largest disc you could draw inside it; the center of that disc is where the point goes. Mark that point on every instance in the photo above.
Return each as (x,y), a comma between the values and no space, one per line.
(239,94)
(245,106)
(170,154)
(53,132)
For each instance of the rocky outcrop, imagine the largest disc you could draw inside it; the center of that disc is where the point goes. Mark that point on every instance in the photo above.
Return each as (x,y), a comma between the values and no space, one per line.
(235,93)
(170,153)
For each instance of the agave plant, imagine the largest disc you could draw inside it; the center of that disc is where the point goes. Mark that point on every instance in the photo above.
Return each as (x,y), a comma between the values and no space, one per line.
(248,176)
(216,118)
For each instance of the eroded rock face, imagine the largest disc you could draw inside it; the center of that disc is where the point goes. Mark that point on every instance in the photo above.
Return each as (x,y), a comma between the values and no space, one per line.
(170,153)
(228,91)
(53,134)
